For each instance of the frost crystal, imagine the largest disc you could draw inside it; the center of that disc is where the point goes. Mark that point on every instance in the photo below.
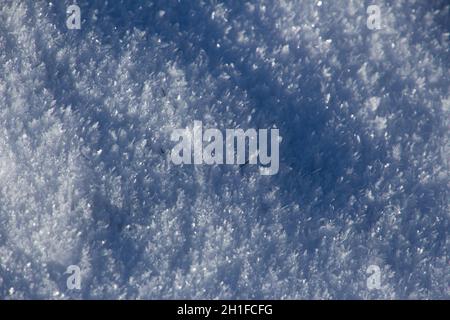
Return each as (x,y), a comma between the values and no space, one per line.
(85,123)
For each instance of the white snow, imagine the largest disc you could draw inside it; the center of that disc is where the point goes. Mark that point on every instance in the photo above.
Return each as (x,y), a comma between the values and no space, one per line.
(85,123)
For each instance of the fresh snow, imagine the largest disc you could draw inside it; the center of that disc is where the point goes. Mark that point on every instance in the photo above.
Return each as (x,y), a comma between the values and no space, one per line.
(85,123)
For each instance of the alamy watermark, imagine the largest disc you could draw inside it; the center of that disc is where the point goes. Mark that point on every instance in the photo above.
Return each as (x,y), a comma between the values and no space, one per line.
(74,280)
(373,281)
(374,18)
(231,150)
(73,21)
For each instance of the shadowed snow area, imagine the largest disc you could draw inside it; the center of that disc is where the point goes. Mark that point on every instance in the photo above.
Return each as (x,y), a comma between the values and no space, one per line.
(85,123)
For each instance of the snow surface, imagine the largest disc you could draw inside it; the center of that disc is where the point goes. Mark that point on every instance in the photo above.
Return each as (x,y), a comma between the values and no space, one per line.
(85,122)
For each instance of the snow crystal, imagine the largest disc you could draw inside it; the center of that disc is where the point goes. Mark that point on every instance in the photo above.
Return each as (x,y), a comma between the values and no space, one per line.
(85,123)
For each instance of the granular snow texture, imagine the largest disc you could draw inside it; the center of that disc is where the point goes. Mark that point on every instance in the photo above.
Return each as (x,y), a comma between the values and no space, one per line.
(85,123)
